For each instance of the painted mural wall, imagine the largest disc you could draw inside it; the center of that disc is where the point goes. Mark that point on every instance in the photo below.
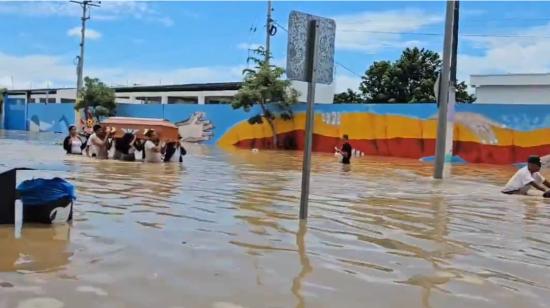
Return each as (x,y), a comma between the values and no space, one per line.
(500,134)
(38,117)
(50,117)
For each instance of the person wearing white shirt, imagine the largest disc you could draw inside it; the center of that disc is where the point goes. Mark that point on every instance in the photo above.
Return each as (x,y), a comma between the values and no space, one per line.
(72,143)
(526,178)
(152,148)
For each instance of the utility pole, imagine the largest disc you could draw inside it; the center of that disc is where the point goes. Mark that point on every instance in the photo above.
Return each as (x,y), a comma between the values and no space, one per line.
(448,69)
(268,32)
(85,4)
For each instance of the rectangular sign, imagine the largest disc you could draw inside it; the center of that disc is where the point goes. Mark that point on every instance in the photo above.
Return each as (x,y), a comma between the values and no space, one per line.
(297,52)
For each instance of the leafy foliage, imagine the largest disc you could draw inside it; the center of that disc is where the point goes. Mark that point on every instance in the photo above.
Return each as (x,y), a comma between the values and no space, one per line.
(462,96)
(263,85)
(98,97)
(350,97)
(410,79)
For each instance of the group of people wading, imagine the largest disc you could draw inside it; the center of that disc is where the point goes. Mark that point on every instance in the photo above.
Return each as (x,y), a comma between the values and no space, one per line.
(101,141)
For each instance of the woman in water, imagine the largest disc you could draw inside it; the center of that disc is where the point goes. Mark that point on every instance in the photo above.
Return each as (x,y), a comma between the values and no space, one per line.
(124,148)
(73,144)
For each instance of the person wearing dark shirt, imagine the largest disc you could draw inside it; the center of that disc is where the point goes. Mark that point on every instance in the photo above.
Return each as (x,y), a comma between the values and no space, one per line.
(346,150)
(124,147)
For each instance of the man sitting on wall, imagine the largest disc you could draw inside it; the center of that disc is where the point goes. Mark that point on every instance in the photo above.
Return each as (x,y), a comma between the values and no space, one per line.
(527,177)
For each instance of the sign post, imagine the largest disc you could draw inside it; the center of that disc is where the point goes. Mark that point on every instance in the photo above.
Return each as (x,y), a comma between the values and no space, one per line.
(306,167)
(444,87)
(310,58)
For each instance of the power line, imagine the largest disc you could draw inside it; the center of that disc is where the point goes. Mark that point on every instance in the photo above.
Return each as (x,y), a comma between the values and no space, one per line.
(347,69)
(441,34)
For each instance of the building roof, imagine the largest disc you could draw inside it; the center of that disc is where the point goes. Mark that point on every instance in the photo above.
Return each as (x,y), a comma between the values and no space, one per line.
(535,79)
(35,91)
(219,86)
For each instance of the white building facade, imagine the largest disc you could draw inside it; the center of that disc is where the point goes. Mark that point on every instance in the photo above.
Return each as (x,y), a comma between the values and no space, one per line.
(207,93)
(511,88)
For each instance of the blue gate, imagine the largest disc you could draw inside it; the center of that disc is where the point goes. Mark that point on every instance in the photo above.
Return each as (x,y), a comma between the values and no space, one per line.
(15,114)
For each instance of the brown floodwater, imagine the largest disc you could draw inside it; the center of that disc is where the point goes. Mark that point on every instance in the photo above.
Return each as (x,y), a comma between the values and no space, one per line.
(221,230)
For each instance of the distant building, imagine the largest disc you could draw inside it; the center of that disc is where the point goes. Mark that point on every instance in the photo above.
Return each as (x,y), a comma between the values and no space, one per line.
(200,93)
(511,88)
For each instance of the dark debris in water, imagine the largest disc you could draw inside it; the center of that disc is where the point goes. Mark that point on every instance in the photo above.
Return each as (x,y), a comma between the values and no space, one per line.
(5,284)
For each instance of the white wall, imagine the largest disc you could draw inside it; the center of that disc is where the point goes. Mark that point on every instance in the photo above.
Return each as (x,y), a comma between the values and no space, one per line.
(509,94)
(201,95)
(324,94)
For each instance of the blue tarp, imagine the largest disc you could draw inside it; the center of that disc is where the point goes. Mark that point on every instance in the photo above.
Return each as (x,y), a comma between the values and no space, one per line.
(43,191)
(455,159)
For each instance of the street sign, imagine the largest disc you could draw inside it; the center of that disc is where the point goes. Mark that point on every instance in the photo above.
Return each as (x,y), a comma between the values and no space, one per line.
(297,65)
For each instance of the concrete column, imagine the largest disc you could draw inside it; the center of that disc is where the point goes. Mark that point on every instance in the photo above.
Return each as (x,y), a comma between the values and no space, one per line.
(201,98)
(164,99)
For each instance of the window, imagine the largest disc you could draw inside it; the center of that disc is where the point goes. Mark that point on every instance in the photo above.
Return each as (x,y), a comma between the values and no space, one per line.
(183,100)
(149,99)
(67,101)
(49,100)
(218,100)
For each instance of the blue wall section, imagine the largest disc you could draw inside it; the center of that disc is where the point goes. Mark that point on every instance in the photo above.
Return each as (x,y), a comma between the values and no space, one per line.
(517,117)
(14,114)
(140,111)
(50,117)
(38,117)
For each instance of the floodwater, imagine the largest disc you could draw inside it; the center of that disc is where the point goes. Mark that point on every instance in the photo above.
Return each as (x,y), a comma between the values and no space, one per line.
(221,230)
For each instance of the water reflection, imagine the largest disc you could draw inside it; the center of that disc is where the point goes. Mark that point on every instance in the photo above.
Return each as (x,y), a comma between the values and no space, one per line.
(305,265)
(39,248)
(166,234)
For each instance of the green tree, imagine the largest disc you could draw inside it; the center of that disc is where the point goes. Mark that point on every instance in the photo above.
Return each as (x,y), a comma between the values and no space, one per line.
(349,96)
(98,97)
(462,95)
(375,86)
(410,79)
(263,85)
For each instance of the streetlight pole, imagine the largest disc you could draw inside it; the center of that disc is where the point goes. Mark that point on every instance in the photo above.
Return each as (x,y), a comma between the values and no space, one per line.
(268,32)
(450,42)
(80,65)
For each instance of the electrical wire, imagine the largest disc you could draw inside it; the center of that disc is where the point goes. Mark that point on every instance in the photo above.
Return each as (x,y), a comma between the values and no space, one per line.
(441,34)
(434,34)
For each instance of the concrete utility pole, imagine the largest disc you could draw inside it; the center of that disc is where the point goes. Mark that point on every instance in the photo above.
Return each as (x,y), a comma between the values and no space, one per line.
(80,65)
(449,67)
(268,32)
